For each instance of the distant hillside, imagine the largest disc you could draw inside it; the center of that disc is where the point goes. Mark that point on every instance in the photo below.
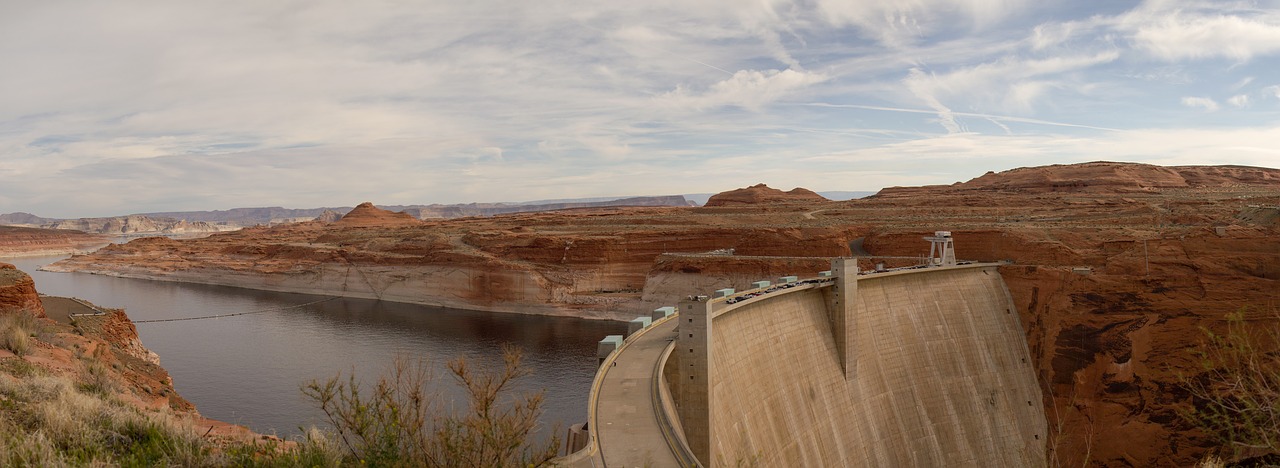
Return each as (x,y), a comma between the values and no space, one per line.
(490,209)
(275,214)
(23,219)
(834,195)
(247,216)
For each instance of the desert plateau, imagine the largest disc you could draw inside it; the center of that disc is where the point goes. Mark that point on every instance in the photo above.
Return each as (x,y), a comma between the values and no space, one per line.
(1114,267)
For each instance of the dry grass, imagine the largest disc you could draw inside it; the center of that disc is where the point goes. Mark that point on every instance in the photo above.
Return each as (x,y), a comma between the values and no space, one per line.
(17,329)
(48,421)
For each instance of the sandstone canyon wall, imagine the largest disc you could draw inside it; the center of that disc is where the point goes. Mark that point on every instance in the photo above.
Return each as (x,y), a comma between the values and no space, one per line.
(1115,269)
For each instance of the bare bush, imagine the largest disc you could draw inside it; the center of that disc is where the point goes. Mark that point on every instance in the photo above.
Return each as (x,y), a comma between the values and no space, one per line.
(399,424)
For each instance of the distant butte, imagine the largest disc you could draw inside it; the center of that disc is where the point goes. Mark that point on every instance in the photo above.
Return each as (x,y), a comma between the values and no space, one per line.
(762,194)
(367,215)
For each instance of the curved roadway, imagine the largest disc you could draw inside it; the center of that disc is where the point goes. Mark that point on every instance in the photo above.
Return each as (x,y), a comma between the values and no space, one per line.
(627,405)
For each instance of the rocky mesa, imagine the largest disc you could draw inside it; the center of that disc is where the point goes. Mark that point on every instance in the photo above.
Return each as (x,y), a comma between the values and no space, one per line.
(761,193)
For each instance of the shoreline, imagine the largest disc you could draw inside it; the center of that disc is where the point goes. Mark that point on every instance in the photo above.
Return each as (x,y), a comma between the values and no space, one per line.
(634,306)
(72,251)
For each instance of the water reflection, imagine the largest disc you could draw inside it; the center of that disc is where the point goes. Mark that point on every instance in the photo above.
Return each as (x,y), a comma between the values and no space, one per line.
(247,369)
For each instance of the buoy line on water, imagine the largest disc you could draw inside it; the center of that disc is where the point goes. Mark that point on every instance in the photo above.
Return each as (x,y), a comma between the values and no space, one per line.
(273,309)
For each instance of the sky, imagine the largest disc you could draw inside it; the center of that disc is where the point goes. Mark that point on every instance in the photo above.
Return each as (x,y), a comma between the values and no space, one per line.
(109,108)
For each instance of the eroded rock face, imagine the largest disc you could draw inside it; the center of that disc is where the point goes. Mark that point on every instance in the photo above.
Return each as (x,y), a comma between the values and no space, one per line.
(18,291)
(1112,284)
(134,224)
(22,241)
(761,193)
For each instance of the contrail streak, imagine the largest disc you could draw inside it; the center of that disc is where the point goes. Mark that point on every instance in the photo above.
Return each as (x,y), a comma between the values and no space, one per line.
(1005,118)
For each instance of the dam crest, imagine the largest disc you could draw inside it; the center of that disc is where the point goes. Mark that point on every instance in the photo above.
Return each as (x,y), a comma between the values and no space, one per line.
(921,366)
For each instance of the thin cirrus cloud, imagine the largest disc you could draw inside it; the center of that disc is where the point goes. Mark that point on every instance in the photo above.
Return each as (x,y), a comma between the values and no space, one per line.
(1200,103)
(130,106)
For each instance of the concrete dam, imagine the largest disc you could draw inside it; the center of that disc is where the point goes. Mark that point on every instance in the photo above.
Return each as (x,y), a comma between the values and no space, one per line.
(923,366)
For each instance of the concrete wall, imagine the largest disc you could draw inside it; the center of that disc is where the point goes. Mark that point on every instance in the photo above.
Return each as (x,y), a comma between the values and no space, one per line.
(941,378)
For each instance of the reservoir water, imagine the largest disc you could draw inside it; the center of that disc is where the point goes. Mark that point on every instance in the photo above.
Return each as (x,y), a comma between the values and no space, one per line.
(248,369)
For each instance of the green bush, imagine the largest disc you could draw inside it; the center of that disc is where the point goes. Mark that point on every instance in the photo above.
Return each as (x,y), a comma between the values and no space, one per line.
(1236,393)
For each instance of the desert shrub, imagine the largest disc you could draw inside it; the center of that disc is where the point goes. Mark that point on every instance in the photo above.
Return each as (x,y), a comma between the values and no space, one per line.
(17,341)
(1236,393)
(16,330)
(399,424)
(95,377)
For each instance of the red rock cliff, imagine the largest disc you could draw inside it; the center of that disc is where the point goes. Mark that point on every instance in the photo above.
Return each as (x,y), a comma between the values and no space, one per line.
(18,291)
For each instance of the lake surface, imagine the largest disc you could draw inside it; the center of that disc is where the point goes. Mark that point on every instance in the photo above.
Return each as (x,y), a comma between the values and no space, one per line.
(248,369)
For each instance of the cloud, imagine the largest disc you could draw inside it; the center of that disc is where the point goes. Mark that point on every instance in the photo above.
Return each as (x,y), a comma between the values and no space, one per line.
(1272,91)
(242,103)
(748,89)
(899,23)
(1200,103)
(1180,35)
(1011,84)
(1176,146)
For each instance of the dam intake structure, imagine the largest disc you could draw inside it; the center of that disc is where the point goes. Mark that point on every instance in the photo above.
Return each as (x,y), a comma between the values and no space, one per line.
(917,366)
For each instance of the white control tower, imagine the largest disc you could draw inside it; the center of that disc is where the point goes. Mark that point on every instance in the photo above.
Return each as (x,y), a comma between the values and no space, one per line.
(941,251)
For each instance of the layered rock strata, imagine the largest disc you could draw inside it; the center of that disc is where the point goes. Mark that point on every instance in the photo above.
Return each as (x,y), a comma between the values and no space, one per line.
(1112,280)
(24,241)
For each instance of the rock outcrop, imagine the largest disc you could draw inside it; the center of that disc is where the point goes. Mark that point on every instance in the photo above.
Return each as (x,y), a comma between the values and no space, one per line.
(1112,281)
(762,194)
(105,343)
(329,216)
(18,292)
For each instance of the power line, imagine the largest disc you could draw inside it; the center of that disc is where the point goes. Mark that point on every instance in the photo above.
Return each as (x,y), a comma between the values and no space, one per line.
(274,309)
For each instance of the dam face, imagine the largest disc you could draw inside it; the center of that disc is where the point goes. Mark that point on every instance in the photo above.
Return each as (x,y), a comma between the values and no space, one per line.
(923,367)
